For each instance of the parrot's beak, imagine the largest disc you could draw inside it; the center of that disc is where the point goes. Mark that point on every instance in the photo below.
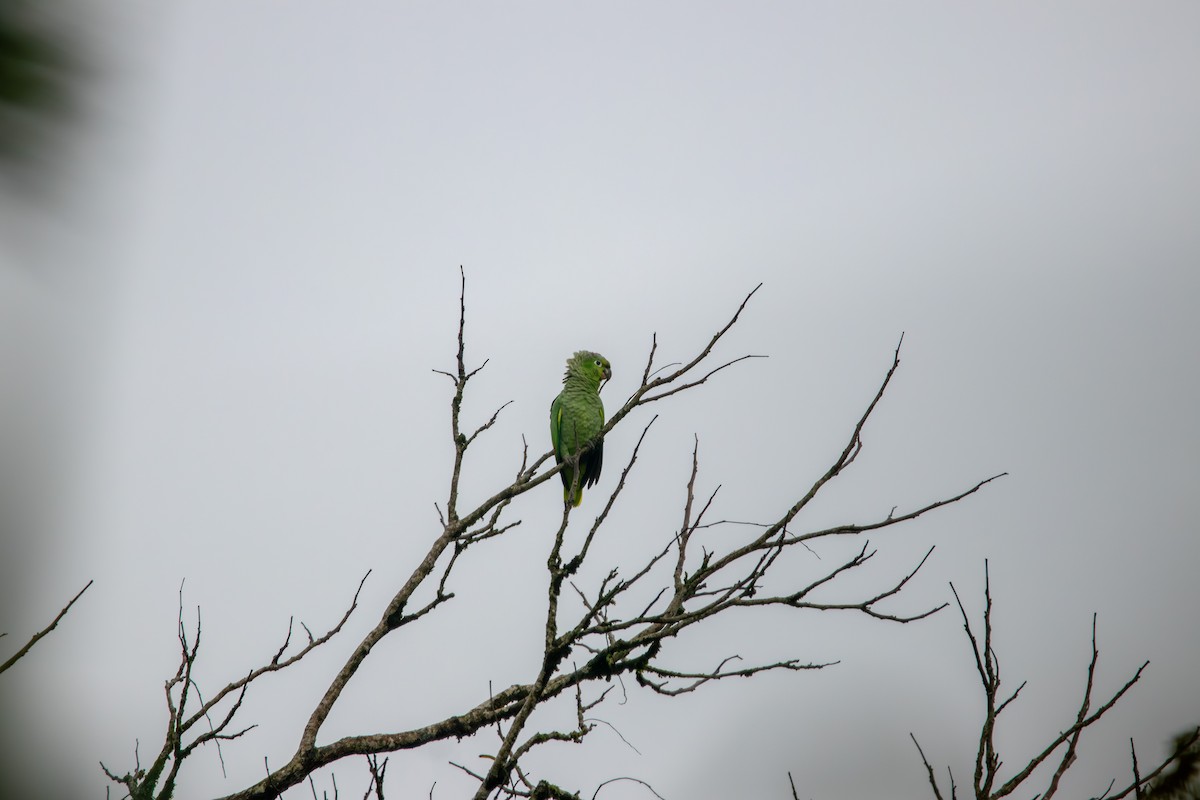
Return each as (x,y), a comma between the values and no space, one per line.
(606,374)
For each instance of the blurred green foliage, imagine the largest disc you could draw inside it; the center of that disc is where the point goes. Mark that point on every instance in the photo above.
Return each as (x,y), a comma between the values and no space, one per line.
(39,80)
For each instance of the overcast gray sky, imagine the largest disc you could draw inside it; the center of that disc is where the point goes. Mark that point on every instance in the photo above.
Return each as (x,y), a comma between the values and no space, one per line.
(222,360)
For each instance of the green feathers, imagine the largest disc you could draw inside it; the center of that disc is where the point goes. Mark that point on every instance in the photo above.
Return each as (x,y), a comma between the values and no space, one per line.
(576,417)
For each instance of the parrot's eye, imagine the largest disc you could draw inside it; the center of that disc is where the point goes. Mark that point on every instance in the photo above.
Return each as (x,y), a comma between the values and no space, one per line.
(597,362)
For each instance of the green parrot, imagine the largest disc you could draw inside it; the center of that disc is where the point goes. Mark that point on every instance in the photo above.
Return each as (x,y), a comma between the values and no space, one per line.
(576,417)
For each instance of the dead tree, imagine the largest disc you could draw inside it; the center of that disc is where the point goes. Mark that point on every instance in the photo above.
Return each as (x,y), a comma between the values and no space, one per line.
(592,633)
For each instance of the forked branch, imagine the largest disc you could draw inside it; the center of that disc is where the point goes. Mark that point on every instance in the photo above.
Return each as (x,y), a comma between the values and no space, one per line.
(183,737)
(988,784)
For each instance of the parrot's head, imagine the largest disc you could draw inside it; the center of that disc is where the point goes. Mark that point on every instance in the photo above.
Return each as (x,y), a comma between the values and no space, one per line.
(591,366)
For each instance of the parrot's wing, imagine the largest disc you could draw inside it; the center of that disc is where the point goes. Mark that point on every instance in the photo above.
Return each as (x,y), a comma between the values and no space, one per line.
(593,461)
(556,419)
(559,418)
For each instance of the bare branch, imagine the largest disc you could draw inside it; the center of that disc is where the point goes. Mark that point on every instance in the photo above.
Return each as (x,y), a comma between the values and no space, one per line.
(175,750)
(1170,779)
(891,519)
(489,423)
(854,444)
(1069,733)
(700,678)
(693,384)
(620,735)
(933,784)
(378,771)
(275,666)
(650,358)
(1068,757)
(38,636)
(626,778)
(987,761)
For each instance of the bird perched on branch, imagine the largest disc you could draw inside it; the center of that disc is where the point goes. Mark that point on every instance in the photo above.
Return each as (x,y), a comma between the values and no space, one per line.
(576,417)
